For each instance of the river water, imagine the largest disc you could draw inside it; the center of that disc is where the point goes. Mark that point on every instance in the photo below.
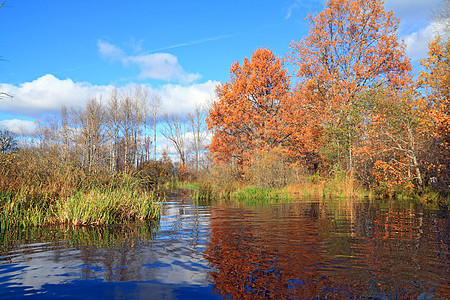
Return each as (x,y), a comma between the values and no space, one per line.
(311,248)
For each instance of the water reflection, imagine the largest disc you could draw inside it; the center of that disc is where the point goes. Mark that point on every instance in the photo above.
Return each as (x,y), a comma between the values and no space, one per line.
(108,262)
(54,255)
(314,248)
(342,250)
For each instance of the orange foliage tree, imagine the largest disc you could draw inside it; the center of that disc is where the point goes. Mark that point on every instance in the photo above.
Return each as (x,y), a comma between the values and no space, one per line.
(249,113)
(352,46)
(434,86)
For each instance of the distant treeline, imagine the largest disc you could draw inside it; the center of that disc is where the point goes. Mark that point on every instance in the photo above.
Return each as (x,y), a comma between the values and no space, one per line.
(117,132)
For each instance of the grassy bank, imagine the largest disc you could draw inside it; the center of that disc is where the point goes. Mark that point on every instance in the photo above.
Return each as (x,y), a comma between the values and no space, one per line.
(263,192)
(337,187)
(205,193)
(36,191)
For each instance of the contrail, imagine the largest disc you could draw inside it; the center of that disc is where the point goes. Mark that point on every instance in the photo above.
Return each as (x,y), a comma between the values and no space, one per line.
(215,38)
(196,42)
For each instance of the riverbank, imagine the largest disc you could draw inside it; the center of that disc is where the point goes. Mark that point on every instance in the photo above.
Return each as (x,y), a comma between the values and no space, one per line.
(36,191)
(336,187)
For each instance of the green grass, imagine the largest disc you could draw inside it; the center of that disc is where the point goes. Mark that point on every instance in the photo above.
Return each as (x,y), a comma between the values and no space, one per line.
(186,185)
(16,210)
(204,194)
(107,206)
(254,195)
(432,198)
(339,187)
(93,207)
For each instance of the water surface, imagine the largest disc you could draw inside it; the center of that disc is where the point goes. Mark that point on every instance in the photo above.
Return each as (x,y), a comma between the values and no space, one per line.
(306,249)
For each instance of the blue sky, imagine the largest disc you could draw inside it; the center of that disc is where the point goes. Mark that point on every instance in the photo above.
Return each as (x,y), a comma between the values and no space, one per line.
(62,37)
(63,52)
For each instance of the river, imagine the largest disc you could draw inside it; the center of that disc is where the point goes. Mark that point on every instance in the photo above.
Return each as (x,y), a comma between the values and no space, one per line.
(305,249)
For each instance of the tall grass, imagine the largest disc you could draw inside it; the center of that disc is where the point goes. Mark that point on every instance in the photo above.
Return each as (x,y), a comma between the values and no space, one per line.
(338,185)
(34,191)
(204,194)
(270,178)
(106,206)
(254,195)
(16,210)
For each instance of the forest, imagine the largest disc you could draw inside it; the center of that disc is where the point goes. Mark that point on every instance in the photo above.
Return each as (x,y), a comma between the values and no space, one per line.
(342,112)
(344,101)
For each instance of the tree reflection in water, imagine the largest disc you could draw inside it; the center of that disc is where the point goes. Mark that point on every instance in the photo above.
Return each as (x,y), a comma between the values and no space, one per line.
(313,249)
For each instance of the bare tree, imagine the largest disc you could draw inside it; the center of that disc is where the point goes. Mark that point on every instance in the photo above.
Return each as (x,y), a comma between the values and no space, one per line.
(101,135)
(138,120)
(126,125)
(91,122)
(131,120)
(155,104)
(113,126)
(47,132)
(65,133)
(8,141)
(198,128)
(175,131)
(142,98)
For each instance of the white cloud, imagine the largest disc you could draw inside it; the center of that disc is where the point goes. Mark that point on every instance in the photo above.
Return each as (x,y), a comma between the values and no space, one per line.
(47,94)
(417,42)
(110,51)
(19,126)
(178,99)
(417,27)
(291,8)
(136,45)
(161,66)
